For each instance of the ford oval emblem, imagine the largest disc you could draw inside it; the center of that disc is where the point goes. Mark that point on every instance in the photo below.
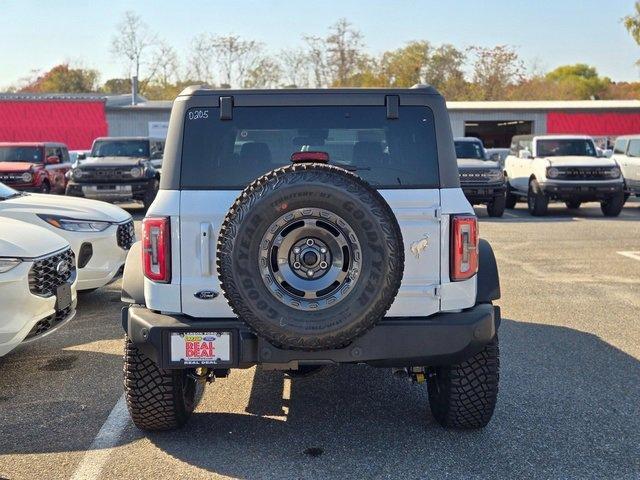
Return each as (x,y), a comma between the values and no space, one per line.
(62,268)
(206,294)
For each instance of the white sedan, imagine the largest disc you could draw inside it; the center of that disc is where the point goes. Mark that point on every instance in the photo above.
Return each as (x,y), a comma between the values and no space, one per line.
(37,283)
(100,234)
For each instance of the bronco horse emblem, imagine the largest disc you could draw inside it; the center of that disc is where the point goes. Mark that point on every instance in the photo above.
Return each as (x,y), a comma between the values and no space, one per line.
(419,246)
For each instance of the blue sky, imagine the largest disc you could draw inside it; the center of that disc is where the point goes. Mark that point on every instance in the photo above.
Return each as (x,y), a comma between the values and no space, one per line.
(36,35)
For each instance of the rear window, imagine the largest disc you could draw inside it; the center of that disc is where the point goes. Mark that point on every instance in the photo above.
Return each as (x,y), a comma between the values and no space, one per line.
(388,153)
(21,154)
(120,148)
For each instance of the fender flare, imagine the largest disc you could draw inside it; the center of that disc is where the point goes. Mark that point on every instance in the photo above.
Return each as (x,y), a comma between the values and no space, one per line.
(488,285)
(133,277)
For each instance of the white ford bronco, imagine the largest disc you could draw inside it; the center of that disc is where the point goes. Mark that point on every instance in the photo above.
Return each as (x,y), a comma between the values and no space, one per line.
(564,168)
(626,153)
(299,228)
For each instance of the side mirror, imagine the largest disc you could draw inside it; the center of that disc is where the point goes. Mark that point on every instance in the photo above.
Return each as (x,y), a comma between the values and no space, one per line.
(52,160)
(525,154)
(82,156)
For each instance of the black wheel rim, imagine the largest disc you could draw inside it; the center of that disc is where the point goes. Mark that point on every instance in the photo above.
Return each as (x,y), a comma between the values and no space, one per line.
(310,259)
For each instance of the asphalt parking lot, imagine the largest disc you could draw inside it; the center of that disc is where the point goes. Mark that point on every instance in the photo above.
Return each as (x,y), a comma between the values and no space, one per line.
(568,406)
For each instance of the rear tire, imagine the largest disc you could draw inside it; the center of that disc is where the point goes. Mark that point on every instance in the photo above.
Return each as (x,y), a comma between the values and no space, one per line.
(45,187)
(613,206)
(496,208)
(537,201)
(465,395)
(157,399)
(573,204)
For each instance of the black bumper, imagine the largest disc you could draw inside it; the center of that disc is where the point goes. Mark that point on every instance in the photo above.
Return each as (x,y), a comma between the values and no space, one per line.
(482,193)
(138,190)
(440,339)
(581,191)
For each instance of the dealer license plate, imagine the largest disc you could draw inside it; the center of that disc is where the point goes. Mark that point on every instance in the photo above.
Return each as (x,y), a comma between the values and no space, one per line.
(201,348)
(63,296)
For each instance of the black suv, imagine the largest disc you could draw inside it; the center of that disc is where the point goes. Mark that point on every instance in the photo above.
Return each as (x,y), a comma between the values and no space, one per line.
(118,169)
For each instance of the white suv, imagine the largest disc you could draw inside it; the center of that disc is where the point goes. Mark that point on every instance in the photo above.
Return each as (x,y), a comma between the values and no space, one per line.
(626,152)
(544,168)
(299,228)
(37,283)
(100,234)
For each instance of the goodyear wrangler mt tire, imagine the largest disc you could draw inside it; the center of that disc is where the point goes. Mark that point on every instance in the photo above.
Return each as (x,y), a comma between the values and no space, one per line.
(310,256)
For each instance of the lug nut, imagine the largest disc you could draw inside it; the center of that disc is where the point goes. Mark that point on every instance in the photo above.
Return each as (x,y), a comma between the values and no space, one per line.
(323,264)
(309,242)
(296,265)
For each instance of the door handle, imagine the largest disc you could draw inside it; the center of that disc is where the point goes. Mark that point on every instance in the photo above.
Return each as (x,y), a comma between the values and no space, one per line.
(205,259)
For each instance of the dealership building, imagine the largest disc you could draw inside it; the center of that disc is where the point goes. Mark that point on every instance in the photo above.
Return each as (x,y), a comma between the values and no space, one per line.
(76,119)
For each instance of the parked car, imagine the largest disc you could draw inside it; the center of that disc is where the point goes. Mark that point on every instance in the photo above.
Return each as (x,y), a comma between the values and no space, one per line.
(100,234)
(566,168)
(37,283)
(34,166)
(626,153)
(118,169)
(339,234)
(481,179)
(497,155)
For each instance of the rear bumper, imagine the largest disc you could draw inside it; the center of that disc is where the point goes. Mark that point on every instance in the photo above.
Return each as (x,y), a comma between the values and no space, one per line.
(440,339)
(482,193)
(583,191)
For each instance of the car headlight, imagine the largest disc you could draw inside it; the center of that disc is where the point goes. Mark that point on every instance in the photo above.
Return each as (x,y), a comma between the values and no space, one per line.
(553,172)
(136,172)
(76,172)
(27,177)
(614,172)
(7,264)
(495,175)
(74,225)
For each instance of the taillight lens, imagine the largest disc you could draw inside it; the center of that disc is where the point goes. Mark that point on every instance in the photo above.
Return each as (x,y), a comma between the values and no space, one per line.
(464,247)
(156,249)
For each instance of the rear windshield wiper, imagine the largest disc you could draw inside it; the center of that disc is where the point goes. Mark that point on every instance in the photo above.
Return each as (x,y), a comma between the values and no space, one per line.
(351,168)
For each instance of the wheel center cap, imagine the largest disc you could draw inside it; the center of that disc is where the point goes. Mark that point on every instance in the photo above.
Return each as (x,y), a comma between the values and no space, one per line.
(310,258)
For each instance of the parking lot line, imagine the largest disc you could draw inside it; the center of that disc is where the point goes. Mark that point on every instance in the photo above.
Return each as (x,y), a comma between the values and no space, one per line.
(98,453)
(631,254)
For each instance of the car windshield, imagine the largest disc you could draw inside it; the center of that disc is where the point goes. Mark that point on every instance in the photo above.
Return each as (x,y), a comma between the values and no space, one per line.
(21,154)
(385,152)
(7,192)
(120,148)
(466,149)
(580,147)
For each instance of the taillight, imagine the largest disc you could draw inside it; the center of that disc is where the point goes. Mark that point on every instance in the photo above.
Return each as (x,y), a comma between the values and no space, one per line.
(464,247)
(156,249)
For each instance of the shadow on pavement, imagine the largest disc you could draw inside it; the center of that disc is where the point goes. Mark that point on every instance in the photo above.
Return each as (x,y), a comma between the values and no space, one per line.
(568,407)
(558,213)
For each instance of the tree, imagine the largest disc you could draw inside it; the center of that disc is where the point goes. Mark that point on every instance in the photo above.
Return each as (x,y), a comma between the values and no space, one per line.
(632,24)
(495,70)
(235,57)
(295,67)
(317,56)
(133,43)
(200,63)
(115,86)
(444,71)
(267,73)
(64,79)
(579,81)
(405,66)
(344,47)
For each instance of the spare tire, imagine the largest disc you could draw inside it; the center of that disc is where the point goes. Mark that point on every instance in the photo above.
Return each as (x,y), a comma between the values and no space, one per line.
(310,256)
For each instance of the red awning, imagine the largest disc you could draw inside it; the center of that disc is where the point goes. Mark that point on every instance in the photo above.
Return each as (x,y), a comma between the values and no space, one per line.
(593,123)
(75,123)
